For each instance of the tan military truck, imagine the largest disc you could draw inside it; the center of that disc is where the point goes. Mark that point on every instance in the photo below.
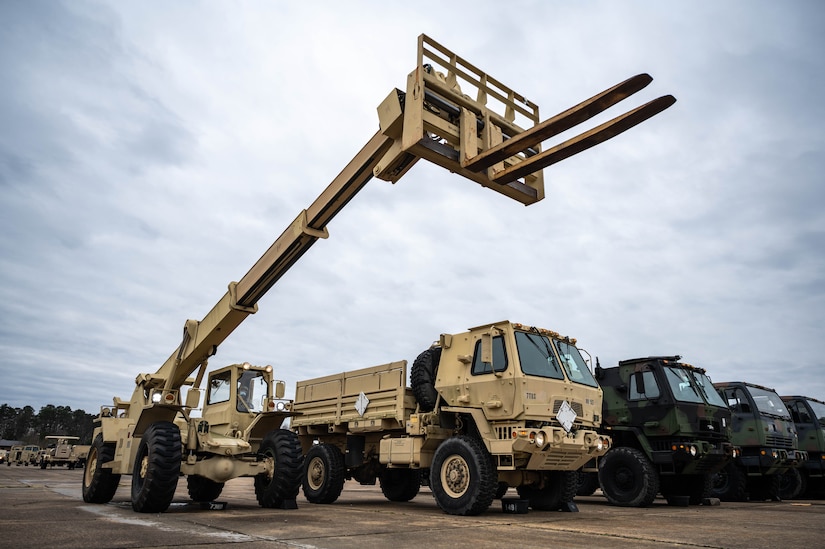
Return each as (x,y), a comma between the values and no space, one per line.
(500,405)
(58,452)
(24,455)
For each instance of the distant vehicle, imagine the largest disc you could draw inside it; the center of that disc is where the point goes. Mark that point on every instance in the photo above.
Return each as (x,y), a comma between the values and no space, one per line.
(59,452)
(24,455)
(808,415)
(762,428)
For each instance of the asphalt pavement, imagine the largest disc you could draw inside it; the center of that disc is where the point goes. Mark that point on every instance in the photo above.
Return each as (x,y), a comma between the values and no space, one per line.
(44,508)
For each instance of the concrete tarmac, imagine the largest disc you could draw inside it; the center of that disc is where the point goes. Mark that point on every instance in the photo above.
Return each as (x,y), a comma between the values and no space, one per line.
(44,508)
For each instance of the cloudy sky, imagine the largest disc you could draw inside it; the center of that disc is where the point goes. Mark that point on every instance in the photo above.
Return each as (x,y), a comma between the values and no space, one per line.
(150,153)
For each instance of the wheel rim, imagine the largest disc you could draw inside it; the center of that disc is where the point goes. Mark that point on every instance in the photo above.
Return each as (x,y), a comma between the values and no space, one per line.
(144,466)
(455,476)
(625,479)
(316,471)
(91,466)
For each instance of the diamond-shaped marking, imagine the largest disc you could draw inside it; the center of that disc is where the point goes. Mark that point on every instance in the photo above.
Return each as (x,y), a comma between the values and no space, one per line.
(362,403)
(566,416)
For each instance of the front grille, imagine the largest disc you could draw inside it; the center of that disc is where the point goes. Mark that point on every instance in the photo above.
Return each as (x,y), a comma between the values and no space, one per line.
(779,441)
(577,407)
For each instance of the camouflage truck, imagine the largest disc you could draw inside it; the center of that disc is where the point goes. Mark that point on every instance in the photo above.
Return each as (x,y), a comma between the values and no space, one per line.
(808,415)
(762,428)
(59,452)
(501,405)
(670,431)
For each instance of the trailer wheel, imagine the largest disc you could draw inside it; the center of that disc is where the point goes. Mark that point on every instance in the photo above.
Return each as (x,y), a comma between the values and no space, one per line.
(730,484)
(99,483)
(422,378)
(627,478)
(791,484)
(560,487)
(157,468)
(323,474)
(202,488)
(400,484)
(588,484)
(283,447)
(463,476)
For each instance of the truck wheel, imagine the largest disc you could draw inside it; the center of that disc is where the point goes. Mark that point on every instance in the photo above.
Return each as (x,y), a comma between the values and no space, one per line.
(791,484)
(463,476)
(588,484)
(422,378)
(559,487)
(283,447)
(157,468)
(627,478)
(502,489)
(730,484)
(99,484)
(202,488)
(323,473)
(400,484)
(763,487)
(43,463)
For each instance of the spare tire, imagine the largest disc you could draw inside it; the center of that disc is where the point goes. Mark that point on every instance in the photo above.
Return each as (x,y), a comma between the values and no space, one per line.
(422,378)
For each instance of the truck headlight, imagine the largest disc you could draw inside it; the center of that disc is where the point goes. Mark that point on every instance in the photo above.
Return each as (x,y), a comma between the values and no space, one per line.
(541,439)
(600,444)
(693,451)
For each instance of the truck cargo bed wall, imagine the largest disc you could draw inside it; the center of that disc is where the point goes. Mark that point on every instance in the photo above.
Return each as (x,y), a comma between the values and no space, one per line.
(334,404)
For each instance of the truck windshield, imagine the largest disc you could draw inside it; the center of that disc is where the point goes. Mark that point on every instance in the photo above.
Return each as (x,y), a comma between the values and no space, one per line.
(536,356)
(708,391)
(769,402)
(574,364)
(819,411)
(683,390)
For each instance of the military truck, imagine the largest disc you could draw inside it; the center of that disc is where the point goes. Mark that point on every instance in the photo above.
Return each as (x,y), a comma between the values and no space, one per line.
(808,415)
(451,114)
(762,428)
(59,452)
(670,432)
(24,455)
(501,405)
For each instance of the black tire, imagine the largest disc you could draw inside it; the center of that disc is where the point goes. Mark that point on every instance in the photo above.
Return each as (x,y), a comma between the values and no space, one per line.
(324,473)
(400,484)
(588,484)
(157,468)
(730,483)
(791,484)
(501,491)
(463,476)
(281,446)
(202,488)
(764,487)
(99,483)
(422,378)
(559,487)
(627,478)
(43,464)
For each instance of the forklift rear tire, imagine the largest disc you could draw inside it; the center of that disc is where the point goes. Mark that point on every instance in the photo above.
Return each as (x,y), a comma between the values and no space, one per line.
(202,488)
(157,468)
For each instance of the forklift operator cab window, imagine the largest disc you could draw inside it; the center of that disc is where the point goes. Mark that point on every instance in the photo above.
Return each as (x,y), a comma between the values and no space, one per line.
(219,387)
(251,390)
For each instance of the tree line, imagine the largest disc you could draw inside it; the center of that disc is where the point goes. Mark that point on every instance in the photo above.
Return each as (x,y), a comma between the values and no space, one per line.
(30,427)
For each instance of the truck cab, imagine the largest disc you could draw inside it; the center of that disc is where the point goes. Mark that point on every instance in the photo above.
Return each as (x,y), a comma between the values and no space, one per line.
(762,428)
(808,415)
(669,426)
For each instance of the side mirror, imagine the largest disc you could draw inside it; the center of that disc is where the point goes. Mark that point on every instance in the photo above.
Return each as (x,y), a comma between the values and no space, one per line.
(280,389)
